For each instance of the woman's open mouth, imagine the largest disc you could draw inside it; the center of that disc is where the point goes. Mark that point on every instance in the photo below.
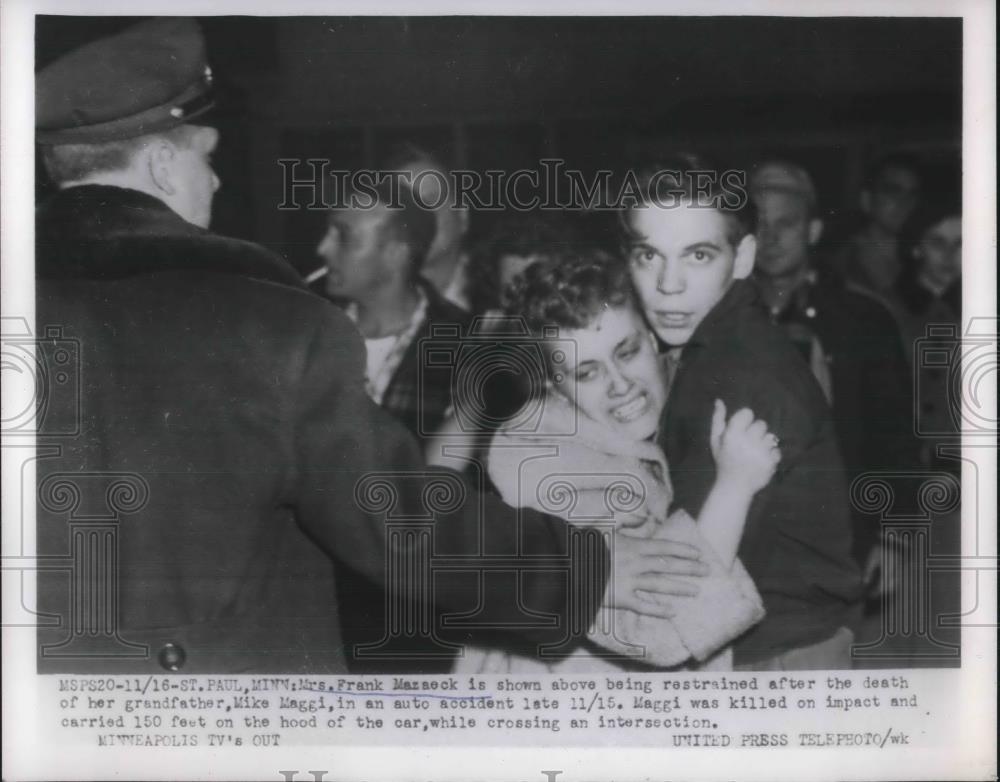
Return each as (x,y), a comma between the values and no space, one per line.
(631,410)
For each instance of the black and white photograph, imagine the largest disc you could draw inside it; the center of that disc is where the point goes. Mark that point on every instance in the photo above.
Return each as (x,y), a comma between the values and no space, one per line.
(446,379)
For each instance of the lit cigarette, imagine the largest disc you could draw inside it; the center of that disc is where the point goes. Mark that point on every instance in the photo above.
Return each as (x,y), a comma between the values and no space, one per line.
(317,274)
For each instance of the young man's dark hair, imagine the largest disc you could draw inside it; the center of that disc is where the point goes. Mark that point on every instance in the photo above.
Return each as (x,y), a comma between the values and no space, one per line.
(686,177)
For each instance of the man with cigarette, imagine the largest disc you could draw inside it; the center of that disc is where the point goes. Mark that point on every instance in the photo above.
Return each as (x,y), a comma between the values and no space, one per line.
(375,250)
(230,402)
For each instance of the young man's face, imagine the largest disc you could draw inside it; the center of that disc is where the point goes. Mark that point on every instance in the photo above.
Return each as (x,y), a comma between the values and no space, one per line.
(616,379)
(354,251)
(682,262)
(785,233)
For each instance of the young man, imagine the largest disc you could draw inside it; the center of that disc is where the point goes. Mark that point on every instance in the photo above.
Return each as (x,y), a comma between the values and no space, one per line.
(690,251)
(375,255)
(850,340)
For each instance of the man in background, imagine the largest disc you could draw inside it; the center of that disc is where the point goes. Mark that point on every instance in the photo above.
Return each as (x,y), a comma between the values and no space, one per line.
(375,254)
(870,259)
(429,180)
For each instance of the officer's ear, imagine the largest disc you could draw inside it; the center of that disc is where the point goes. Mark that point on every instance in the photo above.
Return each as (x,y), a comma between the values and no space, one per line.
(160,157)
(815,230)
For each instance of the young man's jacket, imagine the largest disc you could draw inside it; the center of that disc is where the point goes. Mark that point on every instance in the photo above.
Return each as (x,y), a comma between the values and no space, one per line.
(207,446)
(797,540)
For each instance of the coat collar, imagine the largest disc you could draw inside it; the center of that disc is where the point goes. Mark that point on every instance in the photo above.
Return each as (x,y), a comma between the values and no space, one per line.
(102,232)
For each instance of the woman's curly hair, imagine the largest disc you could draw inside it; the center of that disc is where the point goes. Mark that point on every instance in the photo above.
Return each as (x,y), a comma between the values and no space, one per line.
(571,288)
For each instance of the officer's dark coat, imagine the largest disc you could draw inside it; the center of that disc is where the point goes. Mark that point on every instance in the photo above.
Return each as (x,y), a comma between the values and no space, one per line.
(211,459)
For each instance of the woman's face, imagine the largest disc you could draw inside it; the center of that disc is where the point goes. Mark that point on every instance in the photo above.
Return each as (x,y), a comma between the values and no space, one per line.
(939,252)
(615,376)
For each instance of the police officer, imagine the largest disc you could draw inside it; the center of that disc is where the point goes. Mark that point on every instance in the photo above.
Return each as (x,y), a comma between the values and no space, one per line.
(222,458)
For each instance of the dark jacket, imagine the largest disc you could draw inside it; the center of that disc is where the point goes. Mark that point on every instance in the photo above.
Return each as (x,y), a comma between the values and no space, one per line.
(219,451)
(420,391)
(872,401)
(797,540)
